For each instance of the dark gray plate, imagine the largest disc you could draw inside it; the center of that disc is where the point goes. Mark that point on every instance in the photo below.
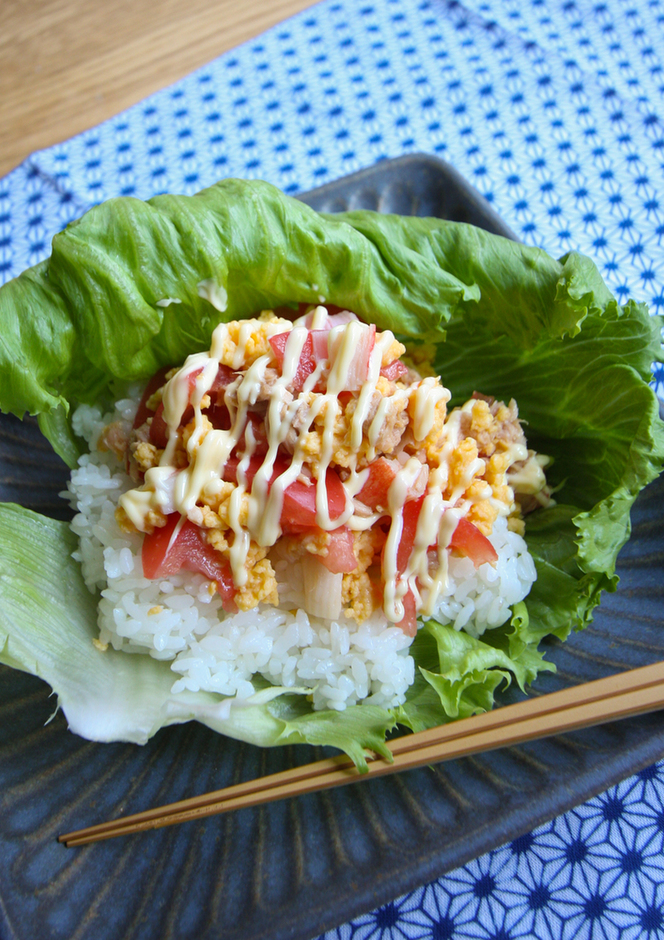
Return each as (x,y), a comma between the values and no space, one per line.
(292,869)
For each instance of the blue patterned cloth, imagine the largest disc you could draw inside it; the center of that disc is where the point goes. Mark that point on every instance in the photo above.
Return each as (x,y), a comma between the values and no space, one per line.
(554,111)
(595,873)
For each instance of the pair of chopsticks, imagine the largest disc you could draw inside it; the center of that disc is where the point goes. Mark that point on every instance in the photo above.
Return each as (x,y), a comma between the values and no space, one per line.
(634,692)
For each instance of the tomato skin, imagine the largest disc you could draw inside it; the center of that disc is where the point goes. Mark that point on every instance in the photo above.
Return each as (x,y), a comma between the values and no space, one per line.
(468,540)
(381,474)
(191,380)
(218,416)
(298,510)
(255,463)
(358,369)
(217,413)
(299,506)
(340,555)
(395,370)
(313,350)
(143,412)
(411,513)
(224,377)
(409,622)
(155,548)
(259,445)
(189,551)
(159,428)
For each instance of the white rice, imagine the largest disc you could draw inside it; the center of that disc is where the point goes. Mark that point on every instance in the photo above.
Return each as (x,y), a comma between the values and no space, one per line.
(179,620)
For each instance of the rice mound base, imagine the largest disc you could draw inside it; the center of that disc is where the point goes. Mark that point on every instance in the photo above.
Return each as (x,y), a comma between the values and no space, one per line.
(181,620)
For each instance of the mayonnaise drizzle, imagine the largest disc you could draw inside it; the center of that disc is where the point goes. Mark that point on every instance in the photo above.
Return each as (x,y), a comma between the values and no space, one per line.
(254,512)
(396,588)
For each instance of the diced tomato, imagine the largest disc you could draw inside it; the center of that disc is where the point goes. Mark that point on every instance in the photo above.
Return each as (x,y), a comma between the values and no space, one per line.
(409,622)
(319,344)
(299,506)
(155,383)
(189,551)
(305,366)
(395,370)
(218,416)
(411,513)
(359,366)
(224,377)
(217,413)
(298,510)
(191,379)
(376,487)
(159,428)
(333,319)
(468,540)
(278,344)
(259,434)
(255,463)
(313,350)
(340,555)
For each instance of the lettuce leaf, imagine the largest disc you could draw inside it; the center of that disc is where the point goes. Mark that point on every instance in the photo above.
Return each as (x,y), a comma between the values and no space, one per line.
(47,625)
(492,315)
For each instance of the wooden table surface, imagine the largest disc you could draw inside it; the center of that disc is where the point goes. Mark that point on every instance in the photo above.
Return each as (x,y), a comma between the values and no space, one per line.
(66,65)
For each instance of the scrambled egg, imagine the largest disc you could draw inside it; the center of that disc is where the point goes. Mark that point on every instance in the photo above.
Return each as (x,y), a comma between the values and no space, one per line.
(260,587)
(256,344)
(489,442)
(343,453)
(360,595)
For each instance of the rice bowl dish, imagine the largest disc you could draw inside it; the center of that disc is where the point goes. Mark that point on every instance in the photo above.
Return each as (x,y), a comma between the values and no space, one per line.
(343,649)
(367,545)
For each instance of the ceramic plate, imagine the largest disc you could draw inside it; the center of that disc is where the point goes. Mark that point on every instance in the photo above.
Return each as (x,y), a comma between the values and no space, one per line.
(290,870)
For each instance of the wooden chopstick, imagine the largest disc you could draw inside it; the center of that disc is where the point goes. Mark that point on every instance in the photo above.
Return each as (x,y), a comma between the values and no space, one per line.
(629,693)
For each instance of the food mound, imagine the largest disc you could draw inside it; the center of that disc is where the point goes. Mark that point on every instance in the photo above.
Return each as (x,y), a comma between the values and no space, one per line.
(303,471)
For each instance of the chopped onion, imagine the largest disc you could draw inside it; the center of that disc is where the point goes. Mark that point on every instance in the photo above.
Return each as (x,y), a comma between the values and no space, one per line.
(322,589)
